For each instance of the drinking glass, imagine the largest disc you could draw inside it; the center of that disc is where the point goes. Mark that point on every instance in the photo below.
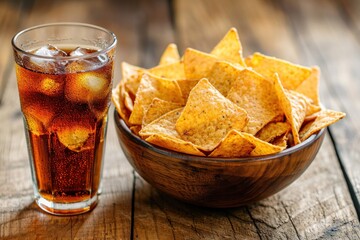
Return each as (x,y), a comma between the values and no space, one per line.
(64,74)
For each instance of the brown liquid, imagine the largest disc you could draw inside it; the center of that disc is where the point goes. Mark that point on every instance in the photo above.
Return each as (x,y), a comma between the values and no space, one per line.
(65,116)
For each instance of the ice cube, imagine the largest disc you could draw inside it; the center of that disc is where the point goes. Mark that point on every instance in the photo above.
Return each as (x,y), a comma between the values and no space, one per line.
(85,64)
(29,81)
(74,132)
(74,137)
(34,124)
(50,51)
(79,51)
(52,66)
(86,87)
(38,116)
(53,86)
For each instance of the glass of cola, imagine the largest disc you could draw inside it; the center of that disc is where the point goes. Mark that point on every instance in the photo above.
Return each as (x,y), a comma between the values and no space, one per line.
(64,74)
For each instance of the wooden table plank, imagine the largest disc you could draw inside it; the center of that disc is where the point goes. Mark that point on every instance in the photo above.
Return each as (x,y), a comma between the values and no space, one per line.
(197,22)
(301,211)
(316,206)
(333,42)
(111,219)
(10,15)
(349,10)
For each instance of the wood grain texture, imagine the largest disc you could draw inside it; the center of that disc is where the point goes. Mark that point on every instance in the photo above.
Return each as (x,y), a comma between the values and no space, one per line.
(10,16)
(317,206)
(331,39)
(20,218)
(264,26)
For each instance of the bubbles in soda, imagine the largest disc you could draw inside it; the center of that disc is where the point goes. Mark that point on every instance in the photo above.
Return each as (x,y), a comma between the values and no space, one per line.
(64,104)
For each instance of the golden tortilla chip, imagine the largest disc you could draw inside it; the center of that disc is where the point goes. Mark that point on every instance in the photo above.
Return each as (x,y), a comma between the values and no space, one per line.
(257,97)
(131,76)
(280,141)
(174,144)
(157,108)
(129,104)
(279,118)
(234,107)
(186,86)
(310,86)
(261,147)
(170,55)
(135,129)
(273,130)
(198,64)
(311,117)
(233,145)
(312,108)
(323,119)
(208,116)
(170,71)
(165,125)
(119,103)
(222,75)
(291,75)
(294,106)
(151,87)
(229,48)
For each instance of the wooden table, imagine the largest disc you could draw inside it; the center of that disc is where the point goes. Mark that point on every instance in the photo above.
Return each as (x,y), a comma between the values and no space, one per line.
(322,204)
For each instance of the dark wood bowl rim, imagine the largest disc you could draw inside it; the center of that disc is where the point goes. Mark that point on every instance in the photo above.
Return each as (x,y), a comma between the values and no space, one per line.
(120,123)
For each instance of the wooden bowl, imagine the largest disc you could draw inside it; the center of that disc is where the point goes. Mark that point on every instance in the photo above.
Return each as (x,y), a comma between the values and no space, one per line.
(216,182)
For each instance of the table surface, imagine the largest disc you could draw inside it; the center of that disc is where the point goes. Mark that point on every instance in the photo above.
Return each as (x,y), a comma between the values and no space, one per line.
(322,204)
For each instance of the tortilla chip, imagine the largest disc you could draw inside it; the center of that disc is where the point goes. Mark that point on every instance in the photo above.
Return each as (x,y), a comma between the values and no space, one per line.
(129,104)
(208,116)
(294,106)
(261,147)
(170,71)
(135,129)
(234,107)
(312,108)
(222,75)
(279,118)
(323,119)
(280,141)
(186,86)
(164,124)
(273,130)
(157,108)
(229,48)
(119,103)
(131,76)
(290,139)
(151,87)
(291,75)
(174,144)
(170,55)
(310,86)
(310,118)
(233,145)
(198,64)
(257,97)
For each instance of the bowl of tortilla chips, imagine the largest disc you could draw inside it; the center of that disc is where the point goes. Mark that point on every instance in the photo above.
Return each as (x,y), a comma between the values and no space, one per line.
(217,130)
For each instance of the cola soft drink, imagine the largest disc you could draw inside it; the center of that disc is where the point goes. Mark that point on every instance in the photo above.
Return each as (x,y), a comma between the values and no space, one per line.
(65,113)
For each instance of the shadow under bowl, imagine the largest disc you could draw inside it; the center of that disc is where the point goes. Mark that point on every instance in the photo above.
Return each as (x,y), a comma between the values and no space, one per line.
(216,182)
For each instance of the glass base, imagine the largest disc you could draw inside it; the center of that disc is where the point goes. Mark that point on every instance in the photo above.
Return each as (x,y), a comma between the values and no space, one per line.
(66,209)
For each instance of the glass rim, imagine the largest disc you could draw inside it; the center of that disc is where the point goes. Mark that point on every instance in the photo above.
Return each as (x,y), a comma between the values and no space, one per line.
(74,24)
